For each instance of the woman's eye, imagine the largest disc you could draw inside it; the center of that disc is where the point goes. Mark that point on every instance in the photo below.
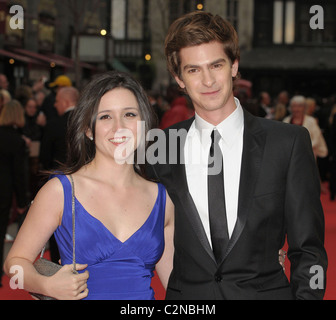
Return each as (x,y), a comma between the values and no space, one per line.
(104,117)
(130,115)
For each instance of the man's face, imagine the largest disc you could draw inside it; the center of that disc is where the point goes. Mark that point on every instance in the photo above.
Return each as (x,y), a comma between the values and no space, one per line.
(206,74)
(298,110)
(4,82)
(60,104)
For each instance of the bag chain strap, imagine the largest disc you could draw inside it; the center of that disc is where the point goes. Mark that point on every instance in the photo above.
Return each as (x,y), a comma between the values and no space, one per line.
(73,228)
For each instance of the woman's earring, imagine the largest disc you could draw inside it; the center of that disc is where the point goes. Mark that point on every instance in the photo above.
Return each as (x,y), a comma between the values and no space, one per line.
(91,138)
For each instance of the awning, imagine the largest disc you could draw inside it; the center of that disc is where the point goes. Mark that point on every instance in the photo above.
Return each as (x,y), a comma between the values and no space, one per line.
(52,58)
(288,58)
(44,58)
(71,61)
(20,57)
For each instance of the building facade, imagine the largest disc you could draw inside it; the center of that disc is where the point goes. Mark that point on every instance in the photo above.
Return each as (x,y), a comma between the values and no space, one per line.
(285,44)
(39,41)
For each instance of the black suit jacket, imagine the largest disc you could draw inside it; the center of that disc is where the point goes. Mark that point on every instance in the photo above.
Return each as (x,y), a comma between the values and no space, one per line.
(279,195)
(53,145)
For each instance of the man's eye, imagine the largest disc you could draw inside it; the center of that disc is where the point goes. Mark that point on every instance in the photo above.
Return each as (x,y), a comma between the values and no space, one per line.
(192,70)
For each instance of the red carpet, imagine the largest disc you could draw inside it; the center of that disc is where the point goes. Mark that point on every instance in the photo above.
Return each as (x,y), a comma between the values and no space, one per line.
(330,241)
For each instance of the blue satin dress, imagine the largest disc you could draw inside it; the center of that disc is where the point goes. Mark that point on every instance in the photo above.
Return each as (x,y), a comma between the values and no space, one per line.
(117,270)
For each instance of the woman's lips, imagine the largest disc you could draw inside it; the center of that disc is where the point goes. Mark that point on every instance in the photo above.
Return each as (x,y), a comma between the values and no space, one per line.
(117,141)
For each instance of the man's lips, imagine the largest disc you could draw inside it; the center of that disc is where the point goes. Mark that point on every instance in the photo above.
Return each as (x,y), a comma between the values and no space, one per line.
(210,93)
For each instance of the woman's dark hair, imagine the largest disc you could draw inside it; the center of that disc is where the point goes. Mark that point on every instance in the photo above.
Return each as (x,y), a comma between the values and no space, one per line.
(81,150)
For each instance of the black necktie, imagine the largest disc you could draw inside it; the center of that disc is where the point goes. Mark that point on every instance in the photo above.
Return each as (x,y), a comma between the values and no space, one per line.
(216,199)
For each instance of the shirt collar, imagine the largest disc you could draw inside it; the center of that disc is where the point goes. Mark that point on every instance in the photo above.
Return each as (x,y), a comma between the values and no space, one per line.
(229,128)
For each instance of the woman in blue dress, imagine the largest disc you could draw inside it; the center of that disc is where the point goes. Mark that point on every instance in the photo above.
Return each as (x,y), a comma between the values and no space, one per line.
(124,222)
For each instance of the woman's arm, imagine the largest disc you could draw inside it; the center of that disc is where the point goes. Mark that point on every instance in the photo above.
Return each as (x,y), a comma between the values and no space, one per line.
(165,265)
(42,220)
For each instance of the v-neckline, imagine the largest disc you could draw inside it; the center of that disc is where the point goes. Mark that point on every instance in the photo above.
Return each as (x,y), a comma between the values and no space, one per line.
(109,231)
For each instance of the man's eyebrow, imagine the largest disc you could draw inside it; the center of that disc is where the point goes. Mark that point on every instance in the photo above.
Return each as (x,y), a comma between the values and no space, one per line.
(192,66)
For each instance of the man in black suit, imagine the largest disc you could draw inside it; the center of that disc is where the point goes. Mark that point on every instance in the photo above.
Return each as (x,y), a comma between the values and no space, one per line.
(53,144)
(264,106)
(230,222)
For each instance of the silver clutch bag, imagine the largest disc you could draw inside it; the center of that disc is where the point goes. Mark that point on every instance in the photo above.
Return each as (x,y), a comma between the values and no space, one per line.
(49,268)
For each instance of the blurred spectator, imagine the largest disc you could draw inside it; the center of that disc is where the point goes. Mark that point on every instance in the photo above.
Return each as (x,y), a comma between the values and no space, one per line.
(180,108)
(283,98)
(280,112)
(4,84)
(13,174)
(53,145)
(48,112)
(158,104)
(246,101)
(23,93)
(31,129)
(299,117)
(264,106)
(281,106)
(6,96)
(32,133)
(311,107)
(1,101)
(39,97)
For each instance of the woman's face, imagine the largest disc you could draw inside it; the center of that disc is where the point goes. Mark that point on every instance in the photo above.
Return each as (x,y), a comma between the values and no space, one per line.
(31,108)
(297,110)
(116,133)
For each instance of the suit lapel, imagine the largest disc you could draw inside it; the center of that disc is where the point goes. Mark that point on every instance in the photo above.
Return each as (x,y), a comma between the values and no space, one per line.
(181,185)
(253,149)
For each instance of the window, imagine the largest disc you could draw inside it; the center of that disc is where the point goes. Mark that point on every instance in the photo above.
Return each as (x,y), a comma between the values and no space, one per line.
(127,19)
(232,12)
(119,15)
(284,22)
(263,22)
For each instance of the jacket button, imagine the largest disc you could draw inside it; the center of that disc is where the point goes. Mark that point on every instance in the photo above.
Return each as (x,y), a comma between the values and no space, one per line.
(218,279)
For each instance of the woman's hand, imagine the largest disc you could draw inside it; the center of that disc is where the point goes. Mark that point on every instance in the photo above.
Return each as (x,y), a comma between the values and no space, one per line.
(65,285)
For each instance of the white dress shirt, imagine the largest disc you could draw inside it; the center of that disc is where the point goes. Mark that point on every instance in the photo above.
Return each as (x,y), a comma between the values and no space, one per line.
(196,152)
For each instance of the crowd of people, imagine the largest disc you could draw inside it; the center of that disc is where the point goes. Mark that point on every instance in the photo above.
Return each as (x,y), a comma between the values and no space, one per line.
(317,115)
